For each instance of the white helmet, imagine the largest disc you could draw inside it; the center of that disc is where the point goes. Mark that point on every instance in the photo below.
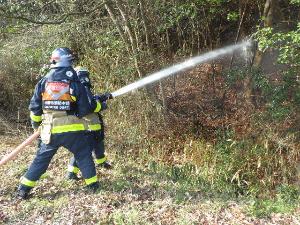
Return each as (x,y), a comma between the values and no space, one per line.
(62,57)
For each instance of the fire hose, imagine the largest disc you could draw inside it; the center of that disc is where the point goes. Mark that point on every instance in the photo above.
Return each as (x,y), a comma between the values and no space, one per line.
(12,154)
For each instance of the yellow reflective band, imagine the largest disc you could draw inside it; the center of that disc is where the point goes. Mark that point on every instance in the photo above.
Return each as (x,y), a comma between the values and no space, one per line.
(73,169)
(27,182)
(91,180)
(73,98)
(94,127)
(44,175)
(102,160)
(98,108)
(35,118)
(67,128)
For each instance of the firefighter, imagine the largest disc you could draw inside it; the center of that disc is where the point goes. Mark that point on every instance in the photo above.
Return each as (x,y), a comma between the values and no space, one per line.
(58,103)
(98,140)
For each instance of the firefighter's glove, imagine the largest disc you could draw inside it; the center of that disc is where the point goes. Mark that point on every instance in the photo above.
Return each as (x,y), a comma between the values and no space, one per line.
(103,97)
(103,105)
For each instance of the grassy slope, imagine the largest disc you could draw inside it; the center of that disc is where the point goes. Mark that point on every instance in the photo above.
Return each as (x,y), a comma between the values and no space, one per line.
(133,193)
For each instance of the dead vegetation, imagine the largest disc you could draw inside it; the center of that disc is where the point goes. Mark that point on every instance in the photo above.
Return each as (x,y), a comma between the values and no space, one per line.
(133,193)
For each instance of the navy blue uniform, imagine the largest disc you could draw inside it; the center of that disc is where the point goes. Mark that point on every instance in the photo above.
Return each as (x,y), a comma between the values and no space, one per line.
(60,94)
(97,141)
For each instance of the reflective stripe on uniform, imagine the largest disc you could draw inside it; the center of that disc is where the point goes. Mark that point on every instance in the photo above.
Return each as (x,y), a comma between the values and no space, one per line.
(35,118)
(73,98)
(94,127)
(102,160)
(91,180)
(67,128)
(27,182)
(98,108)
(73,169)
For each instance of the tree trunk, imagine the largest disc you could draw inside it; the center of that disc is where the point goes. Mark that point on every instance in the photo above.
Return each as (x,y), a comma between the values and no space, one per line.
(146,27)
(130,45)
(272,17)
(130,32)
(242,10)
(117,24)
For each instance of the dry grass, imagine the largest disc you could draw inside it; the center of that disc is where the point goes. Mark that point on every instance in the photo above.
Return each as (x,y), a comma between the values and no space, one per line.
(132,193)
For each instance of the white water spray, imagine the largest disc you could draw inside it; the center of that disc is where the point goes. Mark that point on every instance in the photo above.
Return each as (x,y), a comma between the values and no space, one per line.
(181,67)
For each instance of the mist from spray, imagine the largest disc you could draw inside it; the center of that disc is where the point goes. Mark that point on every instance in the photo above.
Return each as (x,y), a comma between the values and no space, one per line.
(190,63)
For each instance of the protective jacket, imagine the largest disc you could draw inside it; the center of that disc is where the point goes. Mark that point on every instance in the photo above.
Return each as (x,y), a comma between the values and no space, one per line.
(62,104)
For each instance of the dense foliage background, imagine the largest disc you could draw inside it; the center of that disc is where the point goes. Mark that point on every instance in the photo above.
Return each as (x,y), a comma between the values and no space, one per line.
(234,121)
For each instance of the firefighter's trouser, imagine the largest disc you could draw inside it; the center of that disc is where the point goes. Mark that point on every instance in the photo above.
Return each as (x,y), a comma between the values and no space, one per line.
(76,142)
(97,144)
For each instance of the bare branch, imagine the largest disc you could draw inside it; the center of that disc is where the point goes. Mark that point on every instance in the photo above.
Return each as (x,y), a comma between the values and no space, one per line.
(60,20)
(116,22)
